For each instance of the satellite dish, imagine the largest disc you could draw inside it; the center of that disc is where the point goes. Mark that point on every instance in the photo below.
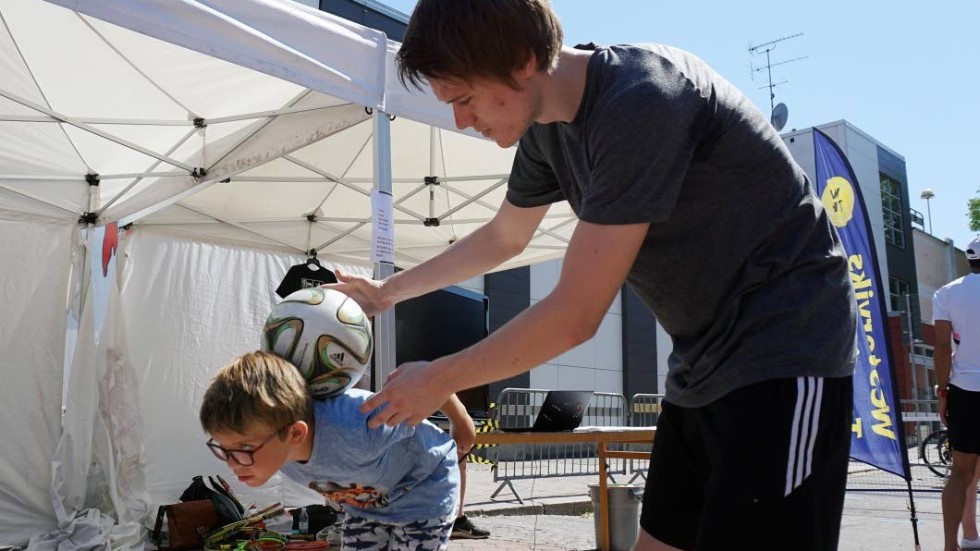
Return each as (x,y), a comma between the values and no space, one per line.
(780,114)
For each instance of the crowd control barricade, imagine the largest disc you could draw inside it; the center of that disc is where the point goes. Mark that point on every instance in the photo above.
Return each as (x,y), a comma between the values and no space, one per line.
(516,409)
(644,412)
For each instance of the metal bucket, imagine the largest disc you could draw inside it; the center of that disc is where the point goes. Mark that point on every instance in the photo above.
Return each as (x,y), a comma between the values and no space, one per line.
(624,514)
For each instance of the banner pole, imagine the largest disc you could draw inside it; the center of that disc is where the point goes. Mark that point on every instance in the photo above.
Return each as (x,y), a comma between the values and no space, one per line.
(914,519)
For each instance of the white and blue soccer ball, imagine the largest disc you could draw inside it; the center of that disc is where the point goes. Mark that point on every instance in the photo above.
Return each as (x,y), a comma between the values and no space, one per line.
(325,334)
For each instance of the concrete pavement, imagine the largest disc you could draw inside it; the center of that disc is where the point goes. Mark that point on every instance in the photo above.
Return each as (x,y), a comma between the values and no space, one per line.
(556,515)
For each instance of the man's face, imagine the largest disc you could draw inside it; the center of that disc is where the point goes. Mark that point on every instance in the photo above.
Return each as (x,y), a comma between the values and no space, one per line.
(490,107)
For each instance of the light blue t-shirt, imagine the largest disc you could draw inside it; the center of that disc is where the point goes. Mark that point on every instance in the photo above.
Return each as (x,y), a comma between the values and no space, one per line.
(394,475)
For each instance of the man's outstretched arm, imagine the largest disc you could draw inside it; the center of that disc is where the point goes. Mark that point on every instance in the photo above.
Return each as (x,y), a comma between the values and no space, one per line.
(596,264)
(504,237)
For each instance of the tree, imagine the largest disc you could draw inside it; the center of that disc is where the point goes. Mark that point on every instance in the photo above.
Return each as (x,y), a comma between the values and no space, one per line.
(974,211)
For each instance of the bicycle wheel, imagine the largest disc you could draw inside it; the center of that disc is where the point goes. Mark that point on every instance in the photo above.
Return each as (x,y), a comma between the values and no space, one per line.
(936,453)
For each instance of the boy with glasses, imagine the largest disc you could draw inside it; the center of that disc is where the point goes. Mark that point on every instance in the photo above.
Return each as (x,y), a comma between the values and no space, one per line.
(399,486)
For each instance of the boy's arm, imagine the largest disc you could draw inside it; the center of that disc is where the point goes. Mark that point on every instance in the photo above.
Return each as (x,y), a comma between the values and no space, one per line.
(461,426)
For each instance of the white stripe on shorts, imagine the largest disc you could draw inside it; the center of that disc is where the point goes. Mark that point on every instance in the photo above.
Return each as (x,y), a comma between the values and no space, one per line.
(806,422)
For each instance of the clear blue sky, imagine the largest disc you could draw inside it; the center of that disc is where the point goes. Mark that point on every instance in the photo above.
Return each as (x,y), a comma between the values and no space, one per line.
(907,74)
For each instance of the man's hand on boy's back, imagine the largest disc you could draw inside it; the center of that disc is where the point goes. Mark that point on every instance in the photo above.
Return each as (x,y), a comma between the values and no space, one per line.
(414,394)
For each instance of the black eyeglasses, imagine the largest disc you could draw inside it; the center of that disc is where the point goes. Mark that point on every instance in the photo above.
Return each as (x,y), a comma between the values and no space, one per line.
(242,457)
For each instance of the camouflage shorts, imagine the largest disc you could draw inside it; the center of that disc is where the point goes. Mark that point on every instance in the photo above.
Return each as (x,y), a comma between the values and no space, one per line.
(421,535)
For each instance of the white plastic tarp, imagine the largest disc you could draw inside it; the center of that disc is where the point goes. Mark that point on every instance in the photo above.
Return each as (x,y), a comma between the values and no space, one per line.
(36,255)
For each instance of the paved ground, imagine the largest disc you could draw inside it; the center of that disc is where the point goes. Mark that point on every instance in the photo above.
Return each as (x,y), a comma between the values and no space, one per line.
(872,521)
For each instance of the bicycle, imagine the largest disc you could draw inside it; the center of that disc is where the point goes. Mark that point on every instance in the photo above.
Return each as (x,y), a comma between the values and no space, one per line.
(936,453)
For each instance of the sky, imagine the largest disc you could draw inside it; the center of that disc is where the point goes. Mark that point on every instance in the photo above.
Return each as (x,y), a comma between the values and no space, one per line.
(907,74)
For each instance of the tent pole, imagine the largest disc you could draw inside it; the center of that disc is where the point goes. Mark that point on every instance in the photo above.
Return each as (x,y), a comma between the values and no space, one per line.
(89,219)
(384,264)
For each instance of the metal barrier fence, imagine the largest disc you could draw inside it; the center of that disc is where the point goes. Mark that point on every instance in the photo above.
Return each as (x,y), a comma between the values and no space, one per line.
(920,418)
(644,412)
(516,408)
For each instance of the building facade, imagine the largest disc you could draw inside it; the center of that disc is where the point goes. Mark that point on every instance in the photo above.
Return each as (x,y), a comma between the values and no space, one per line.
(629,352)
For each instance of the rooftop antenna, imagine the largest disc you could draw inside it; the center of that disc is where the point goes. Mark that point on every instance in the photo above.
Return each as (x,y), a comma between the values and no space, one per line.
(778,117)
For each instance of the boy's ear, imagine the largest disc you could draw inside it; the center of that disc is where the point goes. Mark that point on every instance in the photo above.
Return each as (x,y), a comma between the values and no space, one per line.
(297,432)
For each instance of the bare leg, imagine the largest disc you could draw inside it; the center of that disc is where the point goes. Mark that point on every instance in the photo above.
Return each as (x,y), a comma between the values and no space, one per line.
(646,542)
(970,508)
(954,494)
(462,485)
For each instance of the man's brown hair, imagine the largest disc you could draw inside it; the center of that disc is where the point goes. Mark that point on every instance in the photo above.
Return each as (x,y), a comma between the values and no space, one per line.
(463,39)
(257,387)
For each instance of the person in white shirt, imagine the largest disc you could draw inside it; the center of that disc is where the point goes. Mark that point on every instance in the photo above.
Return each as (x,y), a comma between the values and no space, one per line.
(956,309)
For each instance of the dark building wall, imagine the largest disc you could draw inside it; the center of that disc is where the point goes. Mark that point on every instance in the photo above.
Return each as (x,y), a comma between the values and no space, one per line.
(639,345)
(509,293)
(363,14)
(901,260)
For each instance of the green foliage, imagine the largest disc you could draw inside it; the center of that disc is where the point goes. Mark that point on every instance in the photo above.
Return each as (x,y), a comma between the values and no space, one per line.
(974,211)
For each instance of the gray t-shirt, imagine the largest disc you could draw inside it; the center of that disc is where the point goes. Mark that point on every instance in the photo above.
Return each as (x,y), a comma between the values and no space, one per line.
(741,265)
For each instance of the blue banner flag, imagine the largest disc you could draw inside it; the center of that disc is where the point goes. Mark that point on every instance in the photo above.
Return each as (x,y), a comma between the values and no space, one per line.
(876,434)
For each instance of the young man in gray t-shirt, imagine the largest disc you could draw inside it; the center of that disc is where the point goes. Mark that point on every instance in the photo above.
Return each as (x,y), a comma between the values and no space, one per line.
(684,190)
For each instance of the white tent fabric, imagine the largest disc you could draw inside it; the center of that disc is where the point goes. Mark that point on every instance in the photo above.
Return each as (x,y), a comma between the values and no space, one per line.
(332,178)
(189,307)
(194,147)
(158,123)
(152,120)
(34,275)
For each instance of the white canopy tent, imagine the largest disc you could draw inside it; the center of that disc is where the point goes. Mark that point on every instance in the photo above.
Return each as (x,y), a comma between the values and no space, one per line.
(274,155)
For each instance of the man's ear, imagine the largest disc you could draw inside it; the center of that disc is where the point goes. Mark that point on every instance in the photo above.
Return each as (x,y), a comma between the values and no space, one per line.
(529,67)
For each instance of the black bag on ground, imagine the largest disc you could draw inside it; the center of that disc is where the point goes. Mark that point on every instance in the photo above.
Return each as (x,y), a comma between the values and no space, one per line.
(225,504)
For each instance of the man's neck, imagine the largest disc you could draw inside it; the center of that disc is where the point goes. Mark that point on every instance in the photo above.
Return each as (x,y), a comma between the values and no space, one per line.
(562,89)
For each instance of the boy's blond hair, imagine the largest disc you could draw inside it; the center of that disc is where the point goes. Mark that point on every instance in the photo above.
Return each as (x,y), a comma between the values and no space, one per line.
(257,387)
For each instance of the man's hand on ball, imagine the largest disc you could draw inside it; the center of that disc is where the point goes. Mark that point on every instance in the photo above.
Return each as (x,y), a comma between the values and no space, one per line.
(367,293)
(409,395)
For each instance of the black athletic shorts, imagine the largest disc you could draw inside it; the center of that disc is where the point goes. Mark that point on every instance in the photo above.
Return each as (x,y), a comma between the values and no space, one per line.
(764,467)
(963,416)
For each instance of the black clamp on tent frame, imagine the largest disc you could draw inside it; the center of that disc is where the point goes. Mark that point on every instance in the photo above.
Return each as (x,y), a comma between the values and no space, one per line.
(199,172)
(431,181)
(199,122)
(370,111)
(90,218)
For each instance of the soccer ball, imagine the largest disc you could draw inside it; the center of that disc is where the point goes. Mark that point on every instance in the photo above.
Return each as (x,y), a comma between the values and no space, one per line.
(325,334)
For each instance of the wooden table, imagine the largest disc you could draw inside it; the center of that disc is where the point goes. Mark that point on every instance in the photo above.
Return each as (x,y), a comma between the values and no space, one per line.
(600,438)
